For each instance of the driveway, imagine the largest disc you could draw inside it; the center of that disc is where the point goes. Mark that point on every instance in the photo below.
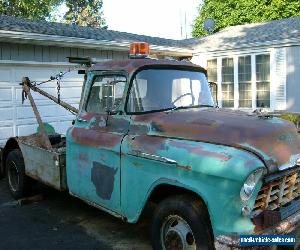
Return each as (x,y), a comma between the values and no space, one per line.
(60,221)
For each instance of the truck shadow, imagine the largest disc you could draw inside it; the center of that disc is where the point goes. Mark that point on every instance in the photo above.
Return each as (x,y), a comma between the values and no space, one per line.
(96,223)
(62,221)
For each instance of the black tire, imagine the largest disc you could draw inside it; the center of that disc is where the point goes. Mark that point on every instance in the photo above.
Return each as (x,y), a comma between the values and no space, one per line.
(185,209)
(2,174)
(17,181)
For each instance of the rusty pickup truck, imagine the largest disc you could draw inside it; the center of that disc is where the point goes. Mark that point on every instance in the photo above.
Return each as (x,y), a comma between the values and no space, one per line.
(147,130)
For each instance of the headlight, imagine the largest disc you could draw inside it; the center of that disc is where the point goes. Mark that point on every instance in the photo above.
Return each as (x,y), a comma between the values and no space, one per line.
(250,183)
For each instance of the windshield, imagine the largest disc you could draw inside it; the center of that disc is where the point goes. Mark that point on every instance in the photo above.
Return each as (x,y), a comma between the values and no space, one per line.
(163,89)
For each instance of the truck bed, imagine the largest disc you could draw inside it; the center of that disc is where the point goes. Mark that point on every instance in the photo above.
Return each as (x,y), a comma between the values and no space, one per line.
(47,166)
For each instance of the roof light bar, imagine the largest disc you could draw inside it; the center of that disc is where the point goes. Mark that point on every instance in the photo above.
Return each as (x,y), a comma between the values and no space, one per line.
(139,50)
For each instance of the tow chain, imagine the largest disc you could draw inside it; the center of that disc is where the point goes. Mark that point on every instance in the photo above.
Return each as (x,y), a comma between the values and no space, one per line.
(58,78)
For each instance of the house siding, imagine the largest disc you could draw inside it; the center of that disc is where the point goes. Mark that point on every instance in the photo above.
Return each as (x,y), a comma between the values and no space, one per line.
(293,78)
(38,53)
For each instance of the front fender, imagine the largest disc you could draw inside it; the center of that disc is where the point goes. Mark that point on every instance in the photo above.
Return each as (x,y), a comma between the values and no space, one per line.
(215,172)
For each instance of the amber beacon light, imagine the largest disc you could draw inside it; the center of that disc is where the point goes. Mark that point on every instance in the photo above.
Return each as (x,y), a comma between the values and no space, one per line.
(139,50)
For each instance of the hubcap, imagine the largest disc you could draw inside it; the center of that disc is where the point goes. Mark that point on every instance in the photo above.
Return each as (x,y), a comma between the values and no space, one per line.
(176,234)
(13,176)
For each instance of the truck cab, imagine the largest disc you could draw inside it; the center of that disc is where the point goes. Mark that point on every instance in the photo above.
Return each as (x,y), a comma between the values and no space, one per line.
(148,130)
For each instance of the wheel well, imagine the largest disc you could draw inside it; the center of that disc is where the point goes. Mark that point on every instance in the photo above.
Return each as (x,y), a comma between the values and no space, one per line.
(11,144)
(163,191)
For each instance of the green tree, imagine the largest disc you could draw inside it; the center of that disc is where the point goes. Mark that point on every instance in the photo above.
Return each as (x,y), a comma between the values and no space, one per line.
(31,9)
(85,13)
(234,12)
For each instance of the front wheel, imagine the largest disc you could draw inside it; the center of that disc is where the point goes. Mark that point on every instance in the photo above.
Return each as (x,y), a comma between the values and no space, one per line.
(181,223)
(18,182)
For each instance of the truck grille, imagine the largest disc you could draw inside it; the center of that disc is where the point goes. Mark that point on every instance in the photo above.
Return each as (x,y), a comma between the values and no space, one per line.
(278,193)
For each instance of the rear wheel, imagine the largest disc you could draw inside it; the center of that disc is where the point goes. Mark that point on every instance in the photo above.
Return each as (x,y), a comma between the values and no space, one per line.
(181,223)
(18,182)
(2,174)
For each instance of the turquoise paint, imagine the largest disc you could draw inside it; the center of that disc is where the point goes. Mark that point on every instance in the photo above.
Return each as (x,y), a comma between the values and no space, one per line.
(217,182)
(79,172)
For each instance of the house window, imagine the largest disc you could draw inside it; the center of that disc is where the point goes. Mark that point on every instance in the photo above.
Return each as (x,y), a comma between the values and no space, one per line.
(212,70)
(212,75)
(227,83)
(263,81)
(244,78)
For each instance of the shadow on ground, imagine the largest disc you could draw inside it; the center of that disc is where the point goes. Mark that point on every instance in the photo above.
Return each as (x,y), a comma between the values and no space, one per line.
(61,221)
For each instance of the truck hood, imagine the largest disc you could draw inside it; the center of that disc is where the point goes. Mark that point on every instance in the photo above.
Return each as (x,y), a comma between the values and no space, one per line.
(273,140)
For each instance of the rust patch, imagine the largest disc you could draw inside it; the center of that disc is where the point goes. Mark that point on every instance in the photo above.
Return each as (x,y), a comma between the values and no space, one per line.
(266,219)
(200,151)
(277,139)
(131,65)
(95,139)
(148,144)
(103,177)
(34,140)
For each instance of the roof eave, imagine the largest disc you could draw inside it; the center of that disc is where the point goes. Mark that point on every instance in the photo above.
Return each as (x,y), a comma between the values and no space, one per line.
(54,40)
(274,43)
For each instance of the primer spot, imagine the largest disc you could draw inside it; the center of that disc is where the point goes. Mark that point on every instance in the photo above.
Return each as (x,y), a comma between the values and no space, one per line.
(103,177)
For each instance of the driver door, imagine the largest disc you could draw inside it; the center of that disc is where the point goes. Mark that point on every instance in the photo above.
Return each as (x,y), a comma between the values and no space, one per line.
(93,150)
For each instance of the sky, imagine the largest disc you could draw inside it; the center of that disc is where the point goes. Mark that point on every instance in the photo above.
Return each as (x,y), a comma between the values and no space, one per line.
(161,18)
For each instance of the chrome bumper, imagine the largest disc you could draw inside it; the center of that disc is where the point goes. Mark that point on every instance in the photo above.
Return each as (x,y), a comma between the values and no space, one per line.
(224,242)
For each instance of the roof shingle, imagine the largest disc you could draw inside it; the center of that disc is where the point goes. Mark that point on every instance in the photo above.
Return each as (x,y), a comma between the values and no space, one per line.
(10,23)
(249,35)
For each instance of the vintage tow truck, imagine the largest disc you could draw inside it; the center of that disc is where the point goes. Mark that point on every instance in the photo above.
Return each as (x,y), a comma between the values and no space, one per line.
(148,130)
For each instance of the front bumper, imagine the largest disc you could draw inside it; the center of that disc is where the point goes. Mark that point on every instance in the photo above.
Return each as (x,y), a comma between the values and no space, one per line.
(224,242)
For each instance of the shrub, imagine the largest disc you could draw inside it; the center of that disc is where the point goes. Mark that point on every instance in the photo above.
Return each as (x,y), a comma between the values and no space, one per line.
(294,118)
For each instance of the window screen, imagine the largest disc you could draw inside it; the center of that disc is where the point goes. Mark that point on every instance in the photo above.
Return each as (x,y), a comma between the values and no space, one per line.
(227,83)
(245,91)
(212,75)
(212,70)
(263,81)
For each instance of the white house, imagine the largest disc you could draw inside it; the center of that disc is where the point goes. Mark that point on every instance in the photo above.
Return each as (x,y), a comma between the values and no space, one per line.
(254,65)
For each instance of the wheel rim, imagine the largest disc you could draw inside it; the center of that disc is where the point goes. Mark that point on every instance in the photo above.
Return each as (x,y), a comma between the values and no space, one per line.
(13,176)
(176,234)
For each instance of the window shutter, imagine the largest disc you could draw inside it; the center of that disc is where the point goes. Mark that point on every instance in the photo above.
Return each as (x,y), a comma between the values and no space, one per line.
(280,78)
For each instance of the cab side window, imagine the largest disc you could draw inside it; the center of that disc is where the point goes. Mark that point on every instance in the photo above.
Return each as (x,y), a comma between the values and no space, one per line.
(106,94)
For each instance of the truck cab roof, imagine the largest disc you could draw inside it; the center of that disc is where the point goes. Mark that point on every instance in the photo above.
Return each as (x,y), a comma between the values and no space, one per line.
(132,65)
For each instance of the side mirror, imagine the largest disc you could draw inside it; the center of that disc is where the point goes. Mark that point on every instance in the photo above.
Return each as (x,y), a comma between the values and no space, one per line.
(214,91)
